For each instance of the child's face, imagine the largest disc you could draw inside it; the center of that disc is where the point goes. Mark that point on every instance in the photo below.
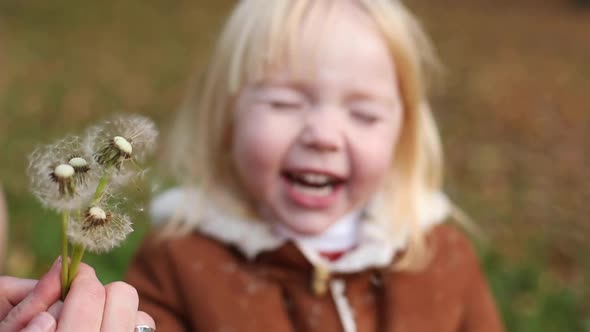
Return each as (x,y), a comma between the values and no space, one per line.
(312,148)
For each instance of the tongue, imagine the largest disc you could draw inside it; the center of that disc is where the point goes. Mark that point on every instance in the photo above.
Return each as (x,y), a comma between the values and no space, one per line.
(310,197)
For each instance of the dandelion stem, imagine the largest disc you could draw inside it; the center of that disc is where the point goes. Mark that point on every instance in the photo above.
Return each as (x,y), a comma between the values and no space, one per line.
(102,184)
(78,249)
(77,254)
(64,254)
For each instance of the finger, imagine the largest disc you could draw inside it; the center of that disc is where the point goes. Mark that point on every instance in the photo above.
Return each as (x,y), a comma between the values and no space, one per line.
(13,291)
(45,293)
(120,308)
(55,309)
(43,322)
(16,289)
(145,319)
(84,304)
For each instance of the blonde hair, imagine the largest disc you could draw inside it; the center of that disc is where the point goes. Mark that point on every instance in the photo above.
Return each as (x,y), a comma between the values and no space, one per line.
(260,34)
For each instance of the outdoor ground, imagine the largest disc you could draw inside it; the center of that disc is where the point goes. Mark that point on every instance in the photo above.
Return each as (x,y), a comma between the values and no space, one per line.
(513,109)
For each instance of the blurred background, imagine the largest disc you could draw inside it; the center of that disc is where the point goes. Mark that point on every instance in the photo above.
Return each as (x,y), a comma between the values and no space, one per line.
(514,113)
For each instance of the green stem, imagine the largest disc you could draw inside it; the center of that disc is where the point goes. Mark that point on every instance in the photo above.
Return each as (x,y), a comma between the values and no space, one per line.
(102,185)
(77,254)
(78,249)
(64,254)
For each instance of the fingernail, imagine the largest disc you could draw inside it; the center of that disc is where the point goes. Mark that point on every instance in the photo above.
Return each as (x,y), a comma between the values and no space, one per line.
(56,262)
(55,309)
(56,266)
(42,322)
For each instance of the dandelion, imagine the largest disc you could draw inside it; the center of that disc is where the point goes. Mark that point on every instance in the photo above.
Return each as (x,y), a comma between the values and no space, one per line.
(81,168)
(62,177)
(123,140)
(75,176)
(99,229)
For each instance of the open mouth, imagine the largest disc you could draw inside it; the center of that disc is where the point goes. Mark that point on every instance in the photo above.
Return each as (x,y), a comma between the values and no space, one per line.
(313,183)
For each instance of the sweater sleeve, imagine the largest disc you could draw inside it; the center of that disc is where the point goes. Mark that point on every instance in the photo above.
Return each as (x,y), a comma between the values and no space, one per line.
(480,313)
(152,273)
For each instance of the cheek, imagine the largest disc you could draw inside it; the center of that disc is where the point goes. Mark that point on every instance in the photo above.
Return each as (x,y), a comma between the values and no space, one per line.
(256,147)
(373,159)
(373,165)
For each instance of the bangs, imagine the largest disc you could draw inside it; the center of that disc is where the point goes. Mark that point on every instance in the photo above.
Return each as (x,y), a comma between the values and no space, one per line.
(273,38)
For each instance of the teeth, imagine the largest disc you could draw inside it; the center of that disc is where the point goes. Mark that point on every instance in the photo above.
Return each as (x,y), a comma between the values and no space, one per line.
(315,178)
(313,191)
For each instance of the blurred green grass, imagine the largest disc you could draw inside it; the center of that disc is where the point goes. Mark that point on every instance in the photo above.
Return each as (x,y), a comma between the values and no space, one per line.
(513,115)
(66,65)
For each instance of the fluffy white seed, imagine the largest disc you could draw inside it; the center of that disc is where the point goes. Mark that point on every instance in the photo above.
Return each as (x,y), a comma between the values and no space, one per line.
(122,144)
(64,171)
(97,213)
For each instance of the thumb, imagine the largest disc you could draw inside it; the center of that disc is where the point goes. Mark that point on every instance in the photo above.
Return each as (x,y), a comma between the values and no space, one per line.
(42,322)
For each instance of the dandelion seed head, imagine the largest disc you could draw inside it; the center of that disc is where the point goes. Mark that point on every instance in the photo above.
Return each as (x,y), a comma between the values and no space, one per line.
(62,175)
(100,229)
(83,169)
(113,154)
(55,181)
(122,144)
(64,171)
(129,133)
(78,162)
(97,213)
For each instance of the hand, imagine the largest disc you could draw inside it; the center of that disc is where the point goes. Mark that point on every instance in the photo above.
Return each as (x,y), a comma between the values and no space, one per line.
(31,306)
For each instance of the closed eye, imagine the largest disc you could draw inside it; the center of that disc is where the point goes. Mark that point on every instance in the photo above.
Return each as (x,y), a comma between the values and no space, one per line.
(285,105)
(365,117)
(281,98)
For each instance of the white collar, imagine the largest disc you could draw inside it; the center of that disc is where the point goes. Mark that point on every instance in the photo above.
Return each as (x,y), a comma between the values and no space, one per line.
(251,237)
(341,236)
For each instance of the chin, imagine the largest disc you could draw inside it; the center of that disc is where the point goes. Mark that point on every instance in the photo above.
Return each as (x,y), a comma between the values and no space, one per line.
(309,228)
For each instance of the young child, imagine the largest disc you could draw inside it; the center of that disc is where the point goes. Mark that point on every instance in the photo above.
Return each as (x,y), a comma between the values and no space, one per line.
(318,203)
(316,200)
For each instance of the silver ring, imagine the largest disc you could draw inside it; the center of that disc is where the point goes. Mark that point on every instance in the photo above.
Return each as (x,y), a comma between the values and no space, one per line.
(144,328)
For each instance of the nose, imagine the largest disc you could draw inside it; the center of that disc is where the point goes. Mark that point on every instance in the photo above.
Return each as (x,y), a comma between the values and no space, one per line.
(321,132)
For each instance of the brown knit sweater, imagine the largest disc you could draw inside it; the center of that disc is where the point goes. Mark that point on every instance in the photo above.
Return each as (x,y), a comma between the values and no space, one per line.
(196,283)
